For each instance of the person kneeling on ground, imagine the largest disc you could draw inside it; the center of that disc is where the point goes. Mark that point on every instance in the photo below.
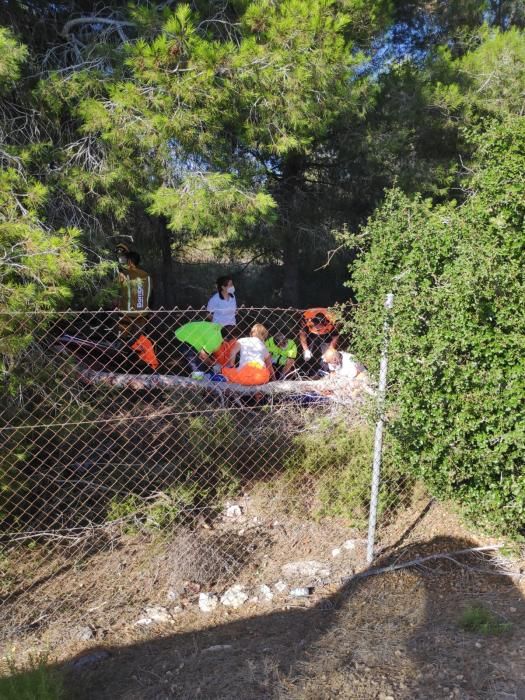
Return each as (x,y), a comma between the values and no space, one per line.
(318,334)
(342,364)
(255,363)
(283,352)
(221,357)
(198,340)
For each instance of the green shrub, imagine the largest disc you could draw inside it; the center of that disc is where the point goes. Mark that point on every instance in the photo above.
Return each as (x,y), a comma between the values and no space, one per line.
(338,459)
(32,682)
(457,344)
(476,618)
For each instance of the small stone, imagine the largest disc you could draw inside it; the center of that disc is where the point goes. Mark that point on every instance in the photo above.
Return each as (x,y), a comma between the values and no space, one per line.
(302,592)
(513,610)
(478,645)
(234,597)
(233,511)
(265,593)
(143,621)
(350,545)
(89,659)
(336,552)
(306,569)
(172,595)
(158,614)
(207,602)
(83,633)
(280,586)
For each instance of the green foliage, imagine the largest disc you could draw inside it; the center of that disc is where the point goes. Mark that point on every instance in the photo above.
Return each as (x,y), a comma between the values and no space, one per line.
(480,620)
(219,205)
(32,681)
(12,56)
(337,458)
(489,79)
(202,124)
(457,381)
(159,512)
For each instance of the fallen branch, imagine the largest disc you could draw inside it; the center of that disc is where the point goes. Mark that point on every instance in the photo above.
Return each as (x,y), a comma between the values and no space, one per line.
(444,556)
(93,19)
(323,388)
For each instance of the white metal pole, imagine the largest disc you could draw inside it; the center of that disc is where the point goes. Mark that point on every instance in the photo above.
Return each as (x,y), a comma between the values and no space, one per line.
(378,440)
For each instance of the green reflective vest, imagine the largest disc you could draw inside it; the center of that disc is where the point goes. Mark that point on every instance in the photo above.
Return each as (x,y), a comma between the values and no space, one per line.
(280,355)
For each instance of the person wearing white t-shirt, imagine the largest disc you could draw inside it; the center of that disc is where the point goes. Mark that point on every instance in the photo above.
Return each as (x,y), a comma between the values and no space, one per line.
(342,364)
(255,361)
(222,306)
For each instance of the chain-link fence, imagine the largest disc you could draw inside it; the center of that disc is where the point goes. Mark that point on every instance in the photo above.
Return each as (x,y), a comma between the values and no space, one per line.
(123,443)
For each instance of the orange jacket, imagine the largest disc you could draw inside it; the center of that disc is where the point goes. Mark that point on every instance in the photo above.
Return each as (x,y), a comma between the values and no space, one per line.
(145,350)
(222,355)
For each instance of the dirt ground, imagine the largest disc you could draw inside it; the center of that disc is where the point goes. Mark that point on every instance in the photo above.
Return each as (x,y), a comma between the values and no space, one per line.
(394,635)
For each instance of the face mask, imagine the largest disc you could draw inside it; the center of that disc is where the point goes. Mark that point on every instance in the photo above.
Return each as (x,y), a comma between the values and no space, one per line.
(122,260)
(231,290)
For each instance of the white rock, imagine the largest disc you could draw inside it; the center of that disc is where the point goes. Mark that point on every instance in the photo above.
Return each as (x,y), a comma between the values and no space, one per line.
(305,569)
(144,621)
(280,586)
(301,592)
(207,602)
(336,552)
(172,595)
(233,511)
(266,592)
(350,545)
(234,597)
(158,614)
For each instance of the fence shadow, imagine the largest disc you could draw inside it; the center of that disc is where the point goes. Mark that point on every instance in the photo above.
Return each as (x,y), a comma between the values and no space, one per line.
(452,627)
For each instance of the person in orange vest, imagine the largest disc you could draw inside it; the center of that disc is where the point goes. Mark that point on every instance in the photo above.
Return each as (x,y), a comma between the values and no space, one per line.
(317,335)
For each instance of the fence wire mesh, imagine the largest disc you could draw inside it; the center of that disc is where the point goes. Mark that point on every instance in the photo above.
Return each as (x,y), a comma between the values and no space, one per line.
(105,447)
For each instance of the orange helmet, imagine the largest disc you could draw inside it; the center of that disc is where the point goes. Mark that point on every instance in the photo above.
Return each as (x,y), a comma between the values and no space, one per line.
(319,321)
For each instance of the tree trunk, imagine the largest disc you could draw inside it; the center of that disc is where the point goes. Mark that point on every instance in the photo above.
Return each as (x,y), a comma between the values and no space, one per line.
(167,274)
(291,270)
(293,171)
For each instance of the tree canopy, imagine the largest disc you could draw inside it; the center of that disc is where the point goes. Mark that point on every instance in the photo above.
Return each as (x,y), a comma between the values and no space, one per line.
(295,132)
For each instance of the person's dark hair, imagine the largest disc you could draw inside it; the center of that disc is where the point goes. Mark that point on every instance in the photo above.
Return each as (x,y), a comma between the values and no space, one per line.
(221,281)
(134,257)
(229,332)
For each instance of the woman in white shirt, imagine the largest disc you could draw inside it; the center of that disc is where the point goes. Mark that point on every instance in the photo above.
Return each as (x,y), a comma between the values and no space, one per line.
(222,306)
(255,362)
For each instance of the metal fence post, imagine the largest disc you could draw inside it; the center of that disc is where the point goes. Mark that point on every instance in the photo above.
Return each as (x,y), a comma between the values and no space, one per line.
(378,439)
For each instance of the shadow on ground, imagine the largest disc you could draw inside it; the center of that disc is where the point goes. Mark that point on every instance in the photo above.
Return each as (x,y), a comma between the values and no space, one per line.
(395,635)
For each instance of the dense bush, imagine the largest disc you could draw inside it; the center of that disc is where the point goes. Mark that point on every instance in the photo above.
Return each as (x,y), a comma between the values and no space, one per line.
(457,380)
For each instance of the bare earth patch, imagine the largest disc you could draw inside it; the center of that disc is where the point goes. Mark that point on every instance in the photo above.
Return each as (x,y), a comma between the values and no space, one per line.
(395,635)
